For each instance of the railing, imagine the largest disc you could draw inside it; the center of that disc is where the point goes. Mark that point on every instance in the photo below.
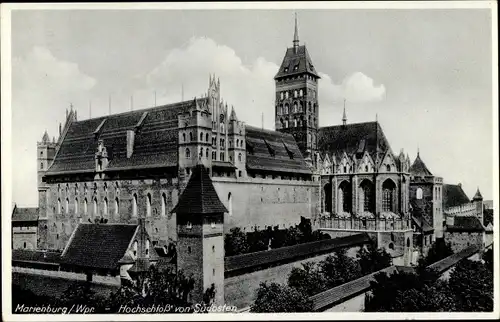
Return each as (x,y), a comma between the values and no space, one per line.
(374,224)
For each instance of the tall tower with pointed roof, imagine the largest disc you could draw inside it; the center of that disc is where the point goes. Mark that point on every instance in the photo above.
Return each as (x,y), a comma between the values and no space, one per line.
(200,240)
(478,201)
(297,108)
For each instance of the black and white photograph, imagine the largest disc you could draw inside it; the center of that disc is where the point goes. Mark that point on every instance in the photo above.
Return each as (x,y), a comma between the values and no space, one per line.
(249,160)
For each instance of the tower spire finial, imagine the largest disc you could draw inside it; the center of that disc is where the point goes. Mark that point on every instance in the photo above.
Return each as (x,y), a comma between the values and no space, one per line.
(296,35)
(344,117)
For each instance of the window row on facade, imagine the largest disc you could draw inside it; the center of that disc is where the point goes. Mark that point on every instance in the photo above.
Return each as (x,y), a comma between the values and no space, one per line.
(296,94)
(297,107)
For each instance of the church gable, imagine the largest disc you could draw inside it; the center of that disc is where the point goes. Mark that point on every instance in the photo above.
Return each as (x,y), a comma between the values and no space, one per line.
(388,163)
(327,165)
(345,165)
(366,164)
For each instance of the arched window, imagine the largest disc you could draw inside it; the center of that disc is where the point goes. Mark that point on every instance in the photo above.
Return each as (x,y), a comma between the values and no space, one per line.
(282,95)
(76,205)
(222,156)
(286,108)
(230,204)
(391,246)
(134,205)
(345,200)
(163,204)
(117,206)
(147,248)
(310,107)
(388,188)
(206,137)
(85,206)
(24,245)
(239,157)
(134,248)
(366,168)
(188,153)
(301,93)
(105,208)
(294,122)
(295,107)
(214,154)
(183,137)
(206,154)
(367,196)
(295,93)
(201,153)
(222,127)
(66,206)
(213,140)
(286,94)
(388,168)
(59,206)
(95,206)
(419,193)
(41,167)
(201,136)
(190,136)
(286,122)
(148,205)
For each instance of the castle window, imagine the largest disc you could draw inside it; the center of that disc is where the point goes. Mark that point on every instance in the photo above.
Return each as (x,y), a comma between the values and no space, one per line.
(213,271)
(310,107)
(163,204)
(345,169)
(183,137)
(85,206)
(286,108)
(239,157)
(295,93)
(105,210)
(24,246)
(301,93)
(117,206)
(388,168)
(419,193)
(190,136)
(41,165)
(206,154)
(189,225)
(134,248)
(148,205)
(388,188)
(391,246)
(366,168)
(95,206)
(188,153)
(282,95)
(206,137)
(214,154)
(213,141)
(286,123)
(59,206)
(222,156)
(189,249)
(76,205)
(134,205)
(41,153)
(239,173)
(147,247)
(201,153)
(367,197)
(294,122)
(213,248)
(201,136)
(222,127)
(295,107)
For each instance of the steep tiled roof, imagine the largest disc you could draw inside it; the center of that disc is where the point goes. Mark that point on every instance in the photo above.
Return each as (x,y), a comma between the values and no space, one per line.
(422,224)
(296,62)
(98,245)
(24,255)
(353,139)
(273,151)
(199,196)
(478,195)
(418,168)
(422,213)
(453,196)
(25,214)
(155,141)
(445,263)
(465,224)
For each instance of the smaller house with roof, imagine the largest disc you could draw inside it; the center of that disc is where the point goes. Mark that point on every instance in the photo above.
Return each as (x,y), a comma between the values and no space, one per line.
(24,228)
(122,251)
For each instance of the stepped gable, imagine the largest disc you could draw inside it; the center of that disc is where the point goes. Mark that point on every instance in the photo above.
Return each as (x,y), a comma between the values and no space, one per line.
(199,196)
(296,62)
(453,196)
(419,169)
(155,143)
(354,139)
(98,245)
(273,151)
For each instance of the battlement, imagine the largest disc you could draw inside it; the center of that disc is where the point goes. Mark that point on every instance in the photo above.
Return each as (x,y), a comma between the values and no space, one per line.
(365,224)
(468,209)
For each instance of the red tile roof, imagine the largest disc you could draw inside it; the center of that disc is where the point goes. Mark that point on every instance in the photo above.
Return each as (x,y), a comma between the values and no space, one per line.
(199,196)
(296,63)
(155,140)
(354,139)
(453,196)
(98,245)
(267,150)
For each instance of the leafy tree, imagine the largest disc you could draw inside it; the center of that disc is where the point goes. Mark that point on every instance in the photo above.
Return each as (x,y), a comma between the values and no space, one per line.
(307,279)
(257,241)
(279,298)
(235,242)
(305,229)
(471,283)
(338,269)
(488,216)
(372,259)
(438,250)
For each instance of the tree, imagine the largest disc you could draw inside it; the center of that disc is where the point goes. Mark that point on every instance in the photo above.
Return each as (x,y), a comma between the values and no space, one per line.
(471,283)
(488,259)
(307,279)
(235,242)
(438,251)
(371,259)
(338,269)
(279,298)
(305,230)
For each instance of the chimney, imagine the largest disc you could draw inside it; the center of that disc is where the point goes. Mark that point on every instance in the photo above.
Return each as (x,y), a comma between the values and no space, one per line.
(450,220)
(130,143)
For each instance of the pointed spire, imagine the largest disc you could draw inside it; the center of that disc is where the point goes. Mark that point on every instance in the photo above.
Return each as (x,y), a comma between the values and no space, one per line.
(296,35)
(233,115)
(478,195)
(344,117)
(45,137)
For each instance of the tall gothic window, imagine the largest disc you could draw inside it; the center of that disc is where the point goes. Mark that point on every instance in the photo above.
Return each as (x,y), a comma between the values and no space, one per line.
(85,206)
(163,204)
(367,196)
(95,206)
(206,137)
(388,189)
(76,205)
(134,205)
(188,153)
(117,206)
(345,197)
(66,206)
(148,205)
(105,210)
(419,193)
(59,206)
(190,136)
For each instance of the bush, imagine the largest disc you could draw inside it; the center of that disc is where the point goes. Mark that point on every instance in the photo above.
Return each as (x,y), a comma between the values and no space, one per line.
(278,298)
(372,260)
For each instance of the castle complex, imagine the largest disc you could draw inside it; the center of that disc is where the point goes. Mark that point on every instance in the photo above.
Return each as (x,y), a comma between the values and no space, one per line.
(133,167)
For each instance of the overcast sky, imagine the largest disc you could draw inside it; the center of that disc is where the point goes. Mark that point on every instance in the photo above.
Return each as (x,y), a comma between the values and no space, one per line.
(425,73)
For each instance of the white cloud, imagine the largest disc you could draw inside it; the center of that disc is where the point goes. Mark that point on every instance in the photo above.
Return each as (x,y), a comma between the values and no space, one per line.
(43,87)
